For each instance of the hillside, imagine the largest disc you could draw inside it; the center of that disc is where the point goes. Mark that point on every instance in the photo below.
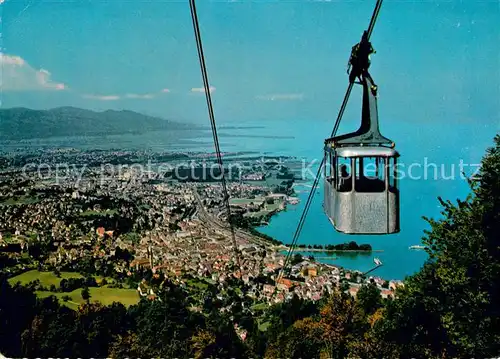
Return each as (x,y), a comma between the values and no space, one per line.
(24,123)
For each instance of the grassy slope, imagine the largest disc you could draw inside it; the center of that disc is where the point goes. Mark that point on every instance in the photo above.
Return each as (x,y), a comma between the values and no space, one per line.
(46,278)
(104,294)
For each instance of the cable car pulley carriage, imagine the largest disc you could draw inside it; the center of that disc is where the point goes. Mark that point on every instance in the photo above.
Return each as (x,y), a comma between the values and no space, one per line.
(361,193)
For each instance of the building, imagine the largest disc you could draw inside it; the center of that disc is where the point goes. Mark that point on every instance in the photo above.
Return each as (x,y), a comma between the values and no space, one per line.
(385,293)
(268,289)
(353,291)
(393,284)
(311,272)
(284,284)
(100,231)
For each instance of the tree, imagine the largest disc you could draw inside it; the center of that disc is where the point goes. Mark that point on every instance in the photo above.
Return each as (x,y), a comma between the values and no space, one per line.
(365,247)
(302,340)
(368,298)
(165,326)
(85,293)
(344,285)
(327,335)
(125,346)
(17,309)
(90,282)
(203,344)
(342,323)
(450,308)
(352,246)
(297,258)
(283,315)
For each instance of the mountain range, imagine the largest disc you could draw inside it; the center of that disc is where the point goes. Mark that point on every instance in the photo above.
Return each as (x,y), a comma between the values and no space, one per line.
(23,123)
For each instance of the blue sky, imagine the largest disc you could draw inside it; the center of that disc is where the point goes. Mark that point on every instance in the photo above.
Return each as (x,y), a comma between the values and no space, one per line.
(436,61)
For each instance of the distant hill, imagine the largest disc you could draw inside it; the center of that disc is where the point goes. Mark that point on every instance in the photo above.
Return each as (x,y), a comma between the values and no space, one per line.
(24,123)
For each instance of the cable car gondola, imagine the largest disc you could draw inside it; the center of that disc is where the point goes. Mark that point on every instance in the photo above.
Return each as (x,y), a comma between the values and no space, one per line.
(361,192)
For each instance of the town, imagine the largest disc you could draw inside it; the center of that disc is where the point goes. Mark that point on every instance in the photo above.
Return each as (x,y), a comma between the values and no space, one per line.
(122,221)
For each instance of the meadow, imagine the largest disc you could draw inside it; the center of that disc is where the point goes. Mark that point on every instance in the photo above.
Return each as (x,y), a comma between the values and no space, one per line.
(104,294)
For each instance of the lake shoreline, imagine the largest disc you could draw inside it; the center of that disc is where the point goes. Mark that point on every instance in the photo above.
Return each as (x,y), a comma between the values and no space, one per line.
(332,250)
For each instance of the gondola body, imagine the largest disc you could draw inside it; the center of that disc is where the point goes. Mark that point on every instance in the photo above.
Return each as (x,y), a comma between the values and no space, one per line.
(361,193)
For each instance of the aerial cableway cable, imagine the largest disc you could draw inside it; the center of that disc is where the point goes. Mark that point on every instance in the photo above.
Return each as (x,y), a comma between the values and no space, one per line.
(374,18)
(318,174)
(314,186)
(211,115)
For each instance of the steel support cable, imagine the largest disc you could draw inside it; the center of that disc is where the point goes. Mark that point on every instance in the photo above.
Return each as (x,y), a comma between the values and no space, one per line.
(371,26)
(374,18)
(208,97)
(315,184)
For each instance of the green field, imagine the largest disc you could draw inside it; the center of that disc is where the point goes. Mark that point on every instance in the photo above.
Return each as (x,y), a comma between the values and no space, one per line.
(257,200)
(258,213)
(263,325)
(21,200)
(197,284)
(99,213)
(46,278)
(260,306)
(73,304)
(275,205)
(104,295)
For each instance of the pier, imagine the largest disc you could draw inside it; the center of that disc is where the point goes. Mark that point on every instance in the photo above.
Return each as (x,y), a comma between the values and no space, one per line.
(378,263)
